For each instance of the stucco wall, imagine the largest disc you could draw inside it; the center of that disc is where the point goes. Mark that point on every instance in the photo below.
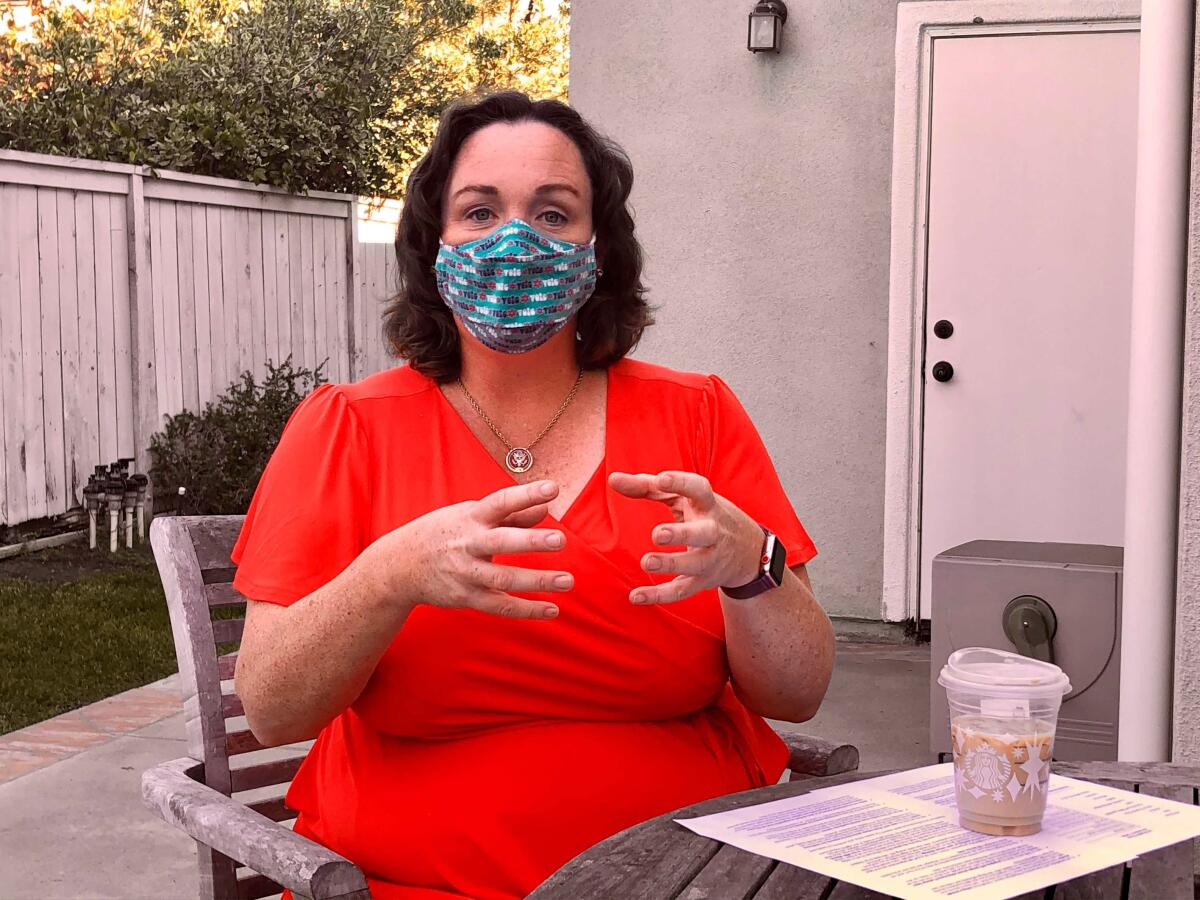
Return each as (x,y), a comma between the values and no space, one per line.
(1186,732)
(761,196)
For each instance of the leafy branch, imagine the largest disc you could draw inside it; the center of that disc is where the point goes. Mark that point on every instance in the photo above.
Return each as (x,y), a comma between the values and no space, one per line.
(336,95)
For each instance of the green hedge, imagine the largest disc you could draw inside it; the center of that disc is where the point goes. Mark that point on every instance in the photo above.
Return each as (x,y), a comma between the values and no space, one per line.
(336,95)
(219,454)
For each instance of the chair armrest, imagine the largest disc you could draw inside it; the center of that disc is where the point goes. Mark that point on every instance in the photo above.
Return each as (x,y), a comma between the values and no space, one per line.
(174,792)
(813,756)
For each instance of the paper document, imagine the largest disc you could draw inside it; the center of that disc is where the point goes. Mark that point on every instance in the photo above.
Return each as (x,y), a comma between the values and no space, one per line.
(899,835)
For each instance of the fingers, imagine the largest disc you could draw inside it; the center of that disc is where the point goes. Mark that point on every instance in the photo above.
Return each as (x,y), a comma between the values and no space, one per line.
(697,533)
(499,505)
(527,518)
(665,484)
(506,579)
(517,540)
(691,485)
(498,604)
(671,592)
(641,485)
(690,563)
(496,581)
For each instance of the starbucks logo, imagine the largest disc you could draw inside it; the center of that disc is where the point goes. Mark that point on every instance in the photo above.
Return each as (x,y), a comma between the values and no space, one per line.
(987,768)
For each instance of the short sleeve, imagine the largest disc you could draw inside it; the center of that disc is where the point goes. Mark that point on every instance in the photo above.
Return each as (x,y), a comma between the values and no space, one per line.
(307,520)
(740,469)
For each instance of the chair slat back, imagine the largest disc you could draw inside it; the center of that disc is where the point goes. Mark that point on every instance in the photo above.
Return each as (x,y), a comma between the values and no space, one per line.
(207,616)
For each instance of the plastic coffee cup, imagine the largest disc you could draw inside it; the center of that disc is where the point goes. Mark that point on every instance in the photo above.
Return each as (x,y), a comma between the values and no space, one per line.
(1003,714)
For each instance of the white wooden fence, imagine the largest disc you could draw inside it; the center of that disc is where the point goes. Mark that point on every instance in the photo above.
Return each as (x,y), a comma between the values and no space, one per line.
(128,294)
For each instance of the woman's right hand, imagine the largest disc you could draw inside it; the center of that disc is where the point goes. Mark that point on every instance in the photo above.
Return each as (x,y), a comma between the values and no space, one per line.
(444,558)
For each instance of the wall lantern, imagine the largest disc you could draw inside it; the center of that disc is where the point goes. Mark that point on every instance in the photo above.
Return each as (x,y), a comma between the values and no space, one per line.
(766,26)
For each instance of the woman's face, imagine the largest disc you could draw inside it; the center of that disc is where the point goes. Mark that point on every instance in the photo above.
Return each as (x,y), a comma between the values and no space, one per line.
(523,170)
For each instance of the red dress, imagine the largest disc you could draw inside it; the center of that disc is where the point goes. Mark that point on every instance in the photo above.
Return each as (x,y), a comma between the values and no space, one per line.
(486,752)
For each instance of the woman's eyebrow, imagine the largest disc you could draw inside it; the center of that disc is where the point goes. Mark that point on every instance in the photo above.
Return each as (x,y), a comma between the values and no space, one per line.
(492,191)
(556,186)
(477,189)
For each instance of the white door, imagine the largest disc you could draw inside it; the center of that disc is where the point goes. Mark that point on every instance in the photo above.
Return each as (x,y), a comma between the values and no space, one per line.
(1031,186)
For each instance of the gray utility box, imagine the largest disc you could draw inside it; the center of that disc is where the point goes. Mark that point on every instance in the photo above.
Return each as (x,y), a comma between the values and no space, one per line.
(1062,602)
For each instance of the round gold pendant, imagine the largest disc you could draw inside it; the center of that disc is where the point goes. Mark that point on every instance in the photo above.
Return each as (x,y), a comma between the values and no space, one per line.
(518,459)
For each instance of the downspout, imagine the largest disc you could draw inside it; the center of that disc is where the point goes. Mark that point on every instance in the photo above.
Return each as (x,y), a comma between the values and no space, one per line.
(1155,379)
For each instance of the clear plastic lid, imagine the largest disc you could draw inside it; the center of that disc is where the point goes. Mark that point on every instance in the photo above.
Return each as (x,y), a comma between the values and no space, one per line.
(1001,673)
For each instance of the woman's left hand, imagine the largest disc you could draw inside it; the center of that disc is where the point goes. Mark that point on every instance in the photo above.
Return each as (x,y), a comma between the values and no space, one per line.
(723,542)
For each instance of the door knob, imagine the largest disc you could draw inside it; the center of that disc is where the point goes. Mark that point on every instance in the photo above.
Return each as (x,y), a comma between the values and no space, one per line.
(942,371)
(1030,623)
(943,328)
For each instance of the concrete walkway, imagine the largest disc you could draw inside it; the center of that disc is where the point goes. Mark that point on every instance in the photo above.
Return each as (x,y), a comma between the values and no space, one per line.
(72,824)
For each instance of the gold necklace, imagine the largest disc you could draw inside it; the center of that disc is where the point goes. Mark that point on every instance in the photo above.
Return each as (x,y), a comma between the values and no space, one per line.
(520,459)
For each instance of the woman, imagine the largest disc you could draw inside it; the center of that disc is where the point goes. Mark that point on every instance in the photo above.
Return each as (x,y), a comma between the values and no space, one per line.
(487,581)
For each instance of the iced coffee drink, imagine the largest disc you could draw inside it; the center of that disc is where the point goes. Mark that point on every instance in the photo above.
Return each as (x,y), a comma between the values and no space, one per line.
(1001,770)
(1003,712)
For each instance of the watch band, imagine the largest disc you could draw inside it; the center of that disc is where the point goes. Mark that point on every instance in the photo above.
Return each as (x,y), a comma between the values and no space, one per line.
(771,565)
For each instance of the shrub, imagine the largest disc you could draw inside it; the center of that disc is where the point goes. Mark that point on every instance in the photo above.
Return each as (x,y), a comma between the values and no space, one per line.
(219,454)
(333,95)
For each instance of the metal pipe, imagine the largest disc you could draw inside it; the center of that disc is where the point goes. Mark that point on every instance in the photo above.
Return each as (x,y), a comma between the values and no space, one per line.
(141,482)
(1155,379)
(92,492)
(112,529)
(113,493)
(128,501)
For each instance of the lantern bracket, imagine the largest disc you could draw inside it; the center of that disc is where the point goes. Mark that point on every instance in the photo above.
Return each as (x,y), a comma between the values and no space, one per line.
(778,7)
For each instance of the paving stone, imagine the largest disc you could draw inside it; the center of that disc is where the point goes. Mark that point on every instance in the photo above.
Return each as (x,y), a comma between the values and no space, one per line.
(77,828)
(65,734)
(15,763)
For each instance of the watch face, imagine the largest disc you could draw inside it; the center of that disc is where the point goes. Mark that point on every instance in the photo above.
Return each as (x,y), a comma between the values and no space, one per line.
(778,560)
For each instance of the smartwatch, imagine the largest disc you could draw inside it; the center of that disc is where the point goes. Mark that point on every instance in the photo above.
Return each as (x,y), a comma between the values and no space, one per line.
(772,562)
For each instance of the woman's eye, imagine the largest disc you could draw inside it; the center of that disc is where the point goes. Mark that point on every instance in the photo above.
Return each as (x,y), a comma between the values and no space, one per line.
(471,214)
(561,219)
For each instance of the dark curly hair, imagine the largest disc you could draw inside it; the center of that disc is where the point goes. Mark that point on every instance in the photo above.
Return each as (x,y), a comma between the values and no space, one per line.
(417,322)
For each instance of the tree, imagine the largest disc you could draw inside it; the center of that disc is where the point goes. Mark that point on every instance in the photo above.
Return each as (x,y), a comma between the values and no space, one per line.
(337,95)
(509,44)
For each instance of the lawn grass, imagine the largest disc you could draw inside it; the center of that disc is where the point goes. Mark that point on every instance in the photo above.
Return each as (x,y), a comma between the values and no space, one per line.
(77,626)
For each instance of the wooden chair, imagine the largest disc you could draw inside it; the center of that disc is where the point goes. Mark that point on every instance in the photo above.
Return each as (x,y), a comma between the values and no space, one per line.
(195,793)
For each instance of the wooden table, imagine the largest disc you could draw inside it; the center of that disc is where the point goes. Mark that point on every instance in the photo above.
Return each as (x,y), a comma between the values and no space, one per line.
(661,860)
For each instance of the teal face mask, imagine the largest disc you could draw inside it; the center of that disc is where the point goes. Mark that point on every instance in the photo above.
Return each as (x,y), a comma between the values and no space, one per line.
(515,288)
